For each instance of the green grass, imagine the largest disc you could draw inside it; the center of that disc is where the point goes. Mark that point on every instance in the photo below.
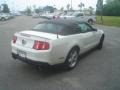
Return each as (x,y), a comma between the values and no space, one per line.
(109,20)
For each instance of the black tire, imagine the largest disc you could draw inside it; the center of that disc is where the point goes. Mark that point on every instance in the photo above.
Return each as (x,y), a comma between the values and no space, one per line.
(72,59)
(90,21)
(100,45)
(3,19)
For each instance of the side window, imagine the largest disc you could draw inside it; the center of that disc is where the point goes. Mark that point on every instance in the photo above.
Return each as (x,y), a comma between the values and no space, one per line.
(71,30)
(75,29)
(80,14)
(84,28)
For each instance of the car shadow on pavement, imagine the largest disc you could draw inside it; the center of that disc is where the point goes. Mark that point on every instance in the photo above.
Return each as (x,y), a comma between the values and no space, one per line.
(60,69)
(51,71)
(87,54)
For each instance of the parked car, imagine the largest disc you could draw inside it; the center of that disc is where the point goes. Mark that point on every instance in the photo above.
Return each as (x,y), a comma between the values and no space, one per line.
(17,14)
(10,15)
(56,42)
(81,17)
(4,16)
(47,15)
(57,15)
(64,15)
(35,15)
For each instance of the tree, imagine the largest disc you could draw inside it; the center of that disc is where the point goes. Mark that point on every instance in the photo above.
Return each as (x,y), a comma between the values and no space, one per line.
(37,10)
(112,8)
(34,7)
(99,7)
(81,5)
(68,7)
(62,8)
(5,8)
(91,9)
(28,11)
(108,1)
(71,9)
(49,8)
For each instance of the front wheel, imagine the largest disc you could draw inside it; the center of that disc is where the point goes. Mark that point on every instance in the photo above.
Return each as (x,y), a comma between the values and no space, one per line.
(100,45)
(72,59)
(3,19)
(90,22)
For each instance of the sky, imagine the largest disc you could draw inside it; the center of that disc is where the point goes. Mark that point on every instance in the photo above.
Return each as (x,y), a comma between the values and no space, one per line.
(22,4)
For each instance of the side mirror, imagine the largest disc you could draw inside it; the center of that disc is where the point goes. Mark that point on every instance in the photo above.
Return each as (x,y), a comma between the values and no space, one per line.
(94,29)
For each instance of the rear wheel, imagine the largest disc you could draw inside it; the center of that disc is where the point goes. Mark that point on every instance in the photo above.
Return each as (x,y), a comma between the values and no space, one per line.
(3,19)
(90,22)
(100,45)
(72,59)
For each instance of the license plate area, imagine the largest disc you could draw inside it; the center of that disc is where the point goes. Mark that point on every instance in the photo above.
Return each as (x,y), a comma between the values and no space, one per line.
(21,53)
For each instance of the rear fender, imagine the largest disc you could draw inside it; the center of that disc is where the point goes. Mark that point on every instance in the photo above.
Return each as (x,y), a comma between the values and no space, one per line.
(71,45)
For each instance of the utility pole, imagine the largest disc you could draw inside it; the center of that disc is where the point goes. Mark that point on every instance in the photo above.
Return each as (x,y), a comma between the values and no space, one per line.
(102,11)
(71,4)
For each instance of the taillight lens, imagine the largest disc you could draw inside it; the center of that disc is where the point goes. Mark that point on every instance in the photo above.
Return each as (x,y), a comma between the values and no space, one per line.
(14,39)
(53,17)
(40,45)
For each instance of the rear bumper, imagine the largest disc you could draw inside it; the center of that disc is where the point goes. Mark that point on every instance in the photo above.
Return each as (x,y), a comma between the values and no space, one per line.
(33,55)
(29,61)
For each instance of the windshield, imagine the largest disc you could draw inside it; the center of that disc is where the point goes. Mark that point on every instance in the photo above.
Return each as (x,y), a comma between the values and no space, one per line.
(48,28)
(63,14)
(70,13)
(77,13)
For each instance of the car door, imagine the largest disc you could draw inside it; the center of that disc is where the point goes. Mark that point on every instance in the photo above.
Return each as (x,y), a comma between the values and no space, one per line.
(80,16)
(96,35)
(88,35)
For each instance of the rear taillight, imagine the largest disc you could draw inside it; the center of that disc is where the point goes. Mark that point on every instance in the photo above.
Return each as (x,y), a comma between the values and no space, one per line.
(53,17)
(14,39)
(40,45)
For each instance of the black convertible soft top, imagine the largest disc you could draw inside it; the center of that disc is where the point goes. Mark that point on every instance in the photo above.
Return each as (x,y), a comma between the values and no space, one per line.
(64,26)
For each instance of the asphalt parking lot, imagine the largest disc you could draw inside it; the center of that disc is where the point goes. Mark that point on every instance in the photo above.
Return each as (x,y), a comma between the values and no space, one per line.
(98,70)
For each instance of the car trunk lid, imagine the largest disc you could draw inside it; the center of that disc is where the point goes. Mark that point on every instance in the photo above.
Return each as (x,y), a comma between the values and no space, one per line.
(27,38)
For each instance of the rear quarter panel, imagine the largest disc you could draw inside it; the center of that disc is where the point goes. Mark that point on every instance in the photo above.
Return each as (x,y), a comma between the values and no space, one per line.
(62,46)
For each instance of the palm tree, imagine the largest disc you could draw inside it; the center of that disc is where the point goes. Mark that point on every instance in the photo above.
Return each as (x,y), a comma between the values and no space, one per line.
(81,5)
(91,10)
(68,7)
(62,9)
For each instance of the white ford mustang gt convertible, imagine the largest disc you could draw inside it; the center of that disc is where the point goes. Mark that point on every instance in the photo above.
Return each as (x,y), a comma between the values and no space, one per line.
(56,42)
